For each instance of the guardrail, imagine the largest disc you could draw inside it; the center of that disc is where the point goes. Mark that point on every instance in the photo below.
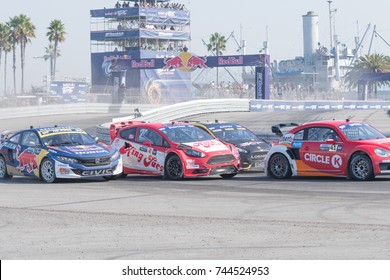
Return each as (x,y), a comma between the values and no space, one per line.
(180,110)
(75,108)
(321,105)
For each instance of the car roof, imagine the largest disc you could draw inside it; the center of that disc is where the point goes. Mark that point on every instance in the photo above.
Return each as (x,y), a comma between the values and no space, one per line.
(53,129)
(218,124)
(334,123)
(157,125)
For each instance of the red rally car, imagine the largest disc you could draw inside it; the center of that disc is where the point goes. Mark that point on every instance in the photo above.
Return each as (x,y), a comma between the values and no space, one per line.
(330,148)
(173,150)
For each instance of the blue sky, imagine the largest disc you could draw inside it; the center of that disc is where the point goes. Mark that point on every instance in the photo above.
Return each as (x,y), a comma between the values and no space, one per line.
(249,18)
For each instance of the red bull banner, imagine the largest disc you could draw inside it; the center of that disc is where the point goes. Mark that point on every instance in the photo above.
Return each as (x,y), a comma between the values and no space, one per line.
(186,61)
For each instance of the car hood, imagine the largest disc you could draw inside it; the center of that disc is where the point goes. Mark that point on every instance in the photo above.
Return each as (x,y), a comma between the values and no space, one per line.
(250,145)
(208,146)
(81,151)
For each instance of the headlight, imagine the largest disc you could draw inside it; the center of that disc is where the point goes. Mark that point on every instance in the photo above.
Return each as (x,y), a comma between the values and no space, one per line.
(114,156)
(68,159)
(242,150)
(382,152)
(193,153)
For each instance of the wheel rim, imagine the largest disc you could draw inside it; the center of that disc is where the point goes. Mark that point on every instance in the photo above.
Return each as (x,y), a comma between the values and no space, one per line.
(47,171)
(2,167)
(279,166)
(360,168)
(174,168)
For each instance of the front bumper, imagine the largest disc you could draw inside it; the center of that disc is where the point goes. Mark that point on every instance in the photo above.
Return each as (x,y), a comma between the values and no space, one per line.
(192,168)
(64,170)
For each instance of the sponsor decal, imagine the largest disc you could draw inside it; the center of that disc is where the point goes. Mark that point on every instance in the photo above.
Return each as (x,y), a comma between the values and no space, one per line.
(61,129)
(287,139)
(209,146)
(190,164)
(297,144)
(96,172)
(337,161)
(317,158)
(151,160)
(331,148)
(27,159)
(131,152)
(86,150)
(148,158)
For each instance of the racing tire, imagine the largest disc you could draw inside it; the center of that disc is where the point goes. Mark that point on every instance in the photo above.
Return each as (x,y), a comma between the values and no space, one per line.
(47,171)
(228,176)
(360,168)
(3,170)
(173,169)
(279,167)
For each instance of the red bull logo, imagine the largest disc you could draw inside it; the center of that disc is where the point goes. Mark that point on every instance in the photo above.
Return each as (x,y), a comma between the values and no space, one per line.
(27,160)
(185,62)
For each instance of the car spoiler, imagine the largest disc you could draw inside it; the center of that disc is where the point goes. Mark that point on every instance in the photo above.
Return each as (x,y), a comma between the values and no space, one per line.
(7,134)
(114,127)
(277,129)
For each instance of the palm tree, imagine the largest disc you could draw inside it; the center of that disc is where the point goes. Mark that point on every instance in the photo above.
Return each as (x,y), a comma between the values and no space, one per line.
(370,63)
(49,54)
(216,45)
(5,45)
(55,34)
(25,30)
(13,29)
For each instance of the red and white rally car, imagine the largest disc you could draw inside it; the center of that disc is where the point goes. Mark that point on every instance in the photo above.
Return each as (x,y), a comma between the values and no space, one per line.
(330,148)
(173,150)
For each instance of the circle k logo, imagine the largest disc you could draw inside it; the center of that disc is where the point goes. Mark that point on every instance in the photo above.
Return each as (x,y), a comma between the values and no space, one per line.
(337,161)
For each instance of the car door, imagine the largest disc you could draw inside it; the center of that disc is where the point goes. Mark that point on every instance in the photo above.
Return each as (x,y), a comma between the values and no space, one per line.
(150,146)
(9,152)
(322,152)
(26,153)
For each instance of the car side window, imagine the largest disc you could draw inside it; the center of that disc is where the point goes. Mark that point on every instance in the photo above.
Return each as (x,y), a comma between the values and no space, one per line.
(299,135)
(321,134)
(30,139)
(15,139)
(146,134)
(128,134)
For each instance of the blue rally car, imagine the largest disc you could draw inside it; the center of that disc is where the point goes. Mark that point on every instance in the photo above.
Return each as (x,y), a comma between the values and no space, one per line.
(57,152)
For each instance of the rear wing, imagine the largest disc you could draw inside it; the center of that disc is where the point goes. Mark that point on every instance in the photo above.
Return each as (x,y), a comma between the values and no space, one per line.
(115,127)
(7,134)
(280,129)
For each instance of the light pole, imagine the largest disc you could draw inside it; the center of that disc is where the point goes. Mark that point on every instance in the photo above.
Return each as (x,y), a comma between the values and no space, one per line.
(48,77)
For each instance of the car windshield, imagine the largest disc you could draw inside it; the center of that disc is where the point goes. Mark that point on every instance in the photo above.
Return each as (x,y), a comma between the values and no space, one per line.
(185,134)
(360,131)
(233,133)
(68,139)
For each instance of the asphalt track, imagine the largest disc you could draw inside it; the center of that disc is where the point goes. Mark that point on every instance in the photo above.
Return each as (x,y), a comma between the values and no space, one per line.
(141,217)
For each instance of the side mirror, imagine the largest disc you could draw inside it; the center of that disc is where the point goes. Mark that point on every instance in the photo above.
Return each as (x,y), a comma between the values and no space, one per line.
(147,143)
(330,141)
(127,145)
